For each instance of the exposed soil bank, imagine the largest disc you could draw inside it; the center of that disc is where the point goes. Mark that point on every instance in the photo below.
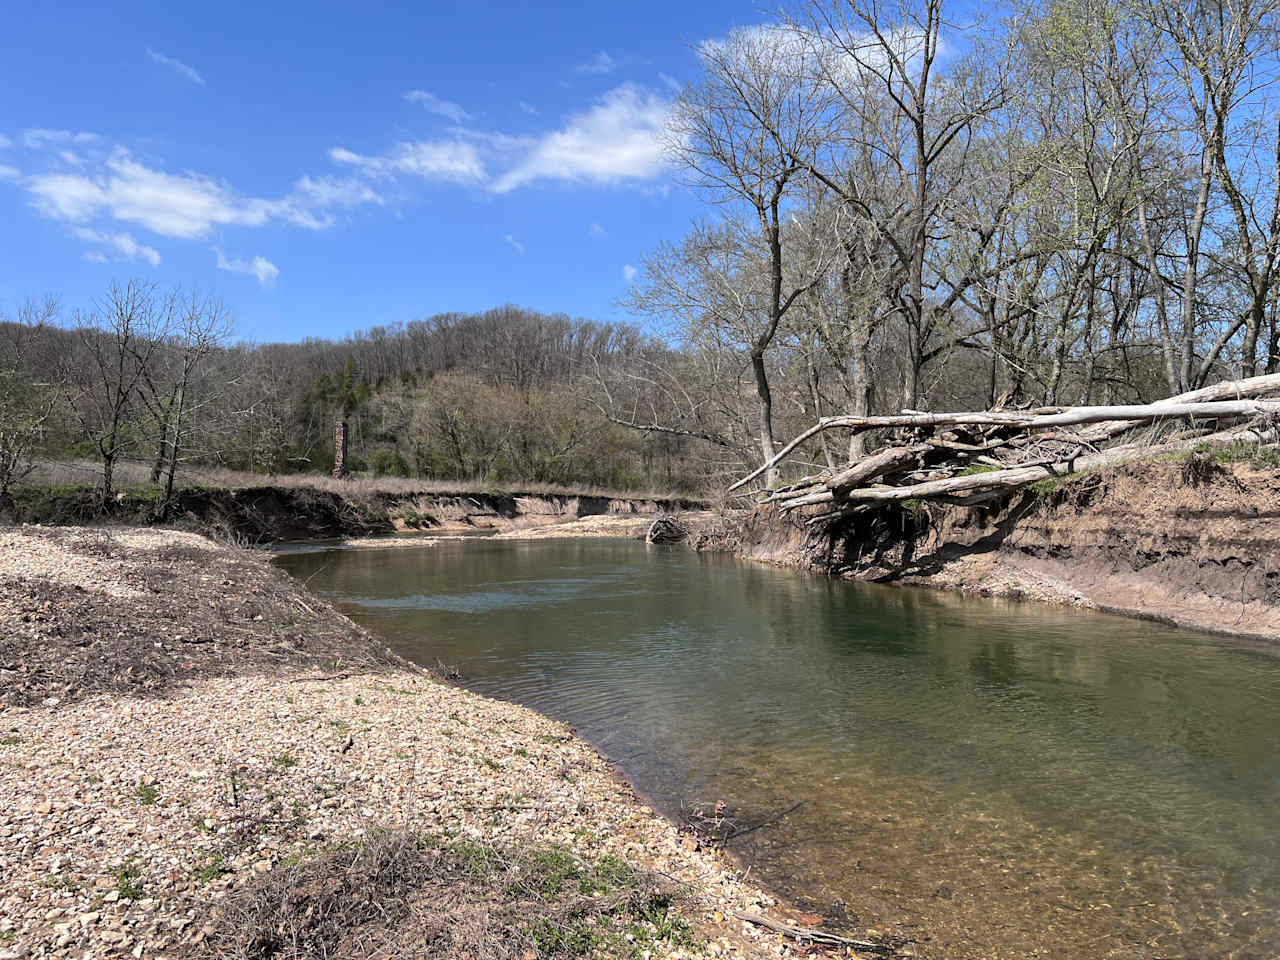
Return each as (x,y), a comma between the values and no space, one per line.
(268,514)
(1190,543)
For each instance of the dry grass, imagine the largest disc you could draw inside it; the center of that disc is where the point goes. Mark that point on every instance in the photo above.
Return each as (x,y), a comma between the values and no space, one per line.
(409,895)
(136,474)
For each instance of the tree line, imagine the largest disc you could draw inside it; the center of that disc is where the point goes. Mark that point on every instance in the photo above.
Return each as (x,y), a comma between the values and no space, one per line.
(503,396)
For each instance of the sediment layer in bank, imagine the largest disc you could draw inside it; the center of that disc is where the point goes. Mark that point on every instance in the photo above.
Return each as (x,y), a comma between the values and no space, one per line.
(1191,542)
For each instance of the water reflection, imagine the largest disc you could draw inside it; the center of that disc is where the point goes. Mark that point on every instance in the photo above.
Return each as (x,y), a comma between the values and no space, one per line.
(990,773)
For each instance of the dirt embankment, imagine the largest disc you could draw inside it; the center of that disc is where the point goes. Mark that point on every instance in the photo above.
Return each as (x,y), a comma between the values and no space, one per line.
(268,514)
(1192,543)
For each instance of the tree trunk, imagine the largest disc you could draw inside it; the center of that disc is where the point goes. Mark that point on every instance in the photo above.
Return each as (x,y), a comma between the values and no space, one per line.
(765,396)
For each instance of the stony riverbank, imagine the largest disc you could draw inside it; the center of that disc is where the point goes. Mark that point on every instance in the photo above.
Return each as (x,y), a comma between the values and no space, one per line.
(182,726)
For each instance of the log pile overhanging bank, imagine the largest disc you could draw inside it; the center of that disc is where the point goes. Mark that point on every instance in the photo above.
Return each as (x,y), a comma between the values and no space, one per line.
(972,457)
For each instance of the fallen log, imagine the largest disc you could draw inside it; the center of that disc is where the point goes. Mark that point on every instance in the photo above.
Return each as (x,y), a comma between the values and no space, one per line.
(1004,481)
(1111,420)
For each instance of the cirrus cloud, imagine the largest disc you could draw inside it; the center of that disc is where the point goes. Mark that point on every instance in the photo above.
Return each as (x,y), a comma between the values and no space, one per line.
(177,66)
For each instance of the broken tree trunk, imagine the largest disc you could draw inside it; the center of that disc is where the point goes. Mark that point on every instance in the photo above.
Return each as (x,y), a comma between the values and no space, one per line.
(970,457)
(1111,420)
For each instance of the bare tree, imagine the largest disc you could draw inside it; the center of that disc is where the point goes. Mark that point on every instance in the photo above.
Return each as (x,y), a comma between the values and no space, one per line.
(740,133)
(25,404)
(117,342)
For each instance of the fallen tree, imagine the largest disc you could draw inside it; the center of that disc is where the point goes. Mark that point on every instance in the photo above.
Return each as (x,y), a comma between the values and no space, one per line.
(971,457)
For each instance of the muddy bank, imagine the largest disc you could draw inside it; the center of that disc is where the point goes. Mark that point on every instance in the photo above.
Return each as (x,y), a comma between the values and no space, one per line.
(267,514)
(1190,543)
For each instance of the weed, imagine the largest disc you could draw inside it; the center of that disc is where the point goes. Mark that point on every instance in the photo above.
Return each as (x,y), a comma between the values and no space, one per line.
(520,752)
(491,763)
(129,881)
(284,760)
(12,740)
(211,869)
(147,794)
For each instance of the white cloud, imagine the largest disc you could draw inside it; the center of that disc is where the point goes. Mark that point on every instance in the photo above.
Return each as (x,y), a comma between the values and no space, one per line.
(37,139)
(617,139)
(528,108)
(5,142)
(177,66)
(95,256)
(259,267)
(184,205)
(516,244)
(629,273)
(9,173)
(596,230)
(600,63)
(126,247)
(433,104)
(337,192)
(451,161)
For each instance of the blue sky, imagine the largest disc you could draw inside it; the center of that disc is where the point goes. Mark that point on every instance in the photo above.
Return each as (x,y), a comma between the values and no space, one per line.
(325,167)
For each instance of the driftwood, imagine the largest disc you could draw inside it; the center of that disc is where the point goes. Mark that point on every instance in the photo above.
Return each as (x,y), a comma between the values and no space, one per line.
(812,935)
(972,457)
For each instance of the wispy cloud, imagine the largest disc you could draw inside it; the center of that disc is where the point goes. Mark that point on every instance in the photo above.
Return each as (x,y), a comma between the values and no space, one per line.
(596,230)
(433,104)
(450,161)
(616,140)
(528,108)
(9,173)
(94,256)
(177,66)
(39,138)
(125,246)
(5,142)
(514,243)
(260,267)
(600,63)
(629,273)
(188,204)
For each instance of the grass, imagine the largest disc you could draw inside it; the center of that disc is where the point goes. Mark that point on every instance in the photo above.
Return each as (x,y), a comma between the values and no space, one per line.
(1238,451)
(147,794)
(402,892)
(129,881)
(284,761)
(136,477)
(211,869)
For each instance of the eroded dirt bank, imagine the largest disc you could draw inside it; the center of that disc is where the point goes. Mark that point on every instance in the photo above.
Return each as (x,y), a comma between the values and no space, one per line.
(269,514)
(197,757)
(1192,543)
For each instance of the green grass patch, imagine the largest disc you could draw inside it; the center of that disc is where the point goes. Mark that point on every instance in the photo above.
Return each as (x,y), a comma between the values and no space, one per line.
(147,794)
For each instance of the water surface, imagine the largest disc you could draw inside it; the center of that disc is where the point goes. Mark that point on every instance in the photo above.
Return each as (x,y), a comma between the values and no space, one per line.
(993,779)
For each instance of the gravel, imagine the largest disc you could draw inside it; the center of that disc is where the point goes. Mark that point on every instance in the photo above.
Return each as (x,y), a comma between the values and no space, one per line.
(124,819)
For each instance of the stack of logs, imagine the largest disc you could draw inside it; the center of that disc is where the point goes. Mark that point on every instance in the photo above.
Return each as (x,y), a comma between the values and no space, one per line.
(971,458)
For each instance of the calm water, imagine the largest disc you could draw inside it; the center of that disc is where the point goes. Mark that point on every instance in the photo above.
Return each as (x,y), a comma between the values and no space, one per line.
(993,779)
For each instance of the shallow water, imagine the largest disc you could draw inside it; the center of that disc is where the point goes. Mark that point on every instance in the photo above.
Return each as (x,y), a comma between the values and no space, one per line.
(992,779)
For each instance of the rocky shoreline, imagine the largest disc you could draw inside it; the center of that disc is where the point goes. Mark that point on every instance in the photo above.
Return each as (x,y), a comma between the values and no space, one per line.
(137,804)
